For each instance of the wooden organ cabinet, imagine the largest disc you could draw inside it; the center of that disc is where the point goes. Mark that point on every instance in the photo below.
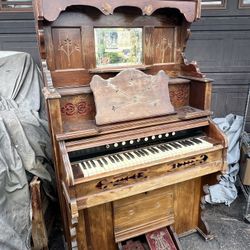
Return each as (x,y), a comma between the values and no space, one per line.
(130,120)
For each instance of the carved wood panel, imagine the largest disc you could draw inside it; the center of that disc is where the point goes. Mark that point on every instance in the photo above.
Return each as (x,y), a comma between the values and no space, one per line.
(131,95)
(77,110)
(179,94)
(67,48)
(164,45)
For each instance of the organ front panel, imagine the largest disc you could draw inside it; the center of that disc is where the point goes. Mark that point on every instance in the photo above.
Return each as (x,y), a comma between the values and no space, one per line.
(130,118)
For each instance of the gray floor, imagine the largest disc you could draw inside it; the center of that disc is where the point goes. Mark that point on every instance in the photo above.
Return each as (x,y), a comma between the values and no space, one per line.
(231,232)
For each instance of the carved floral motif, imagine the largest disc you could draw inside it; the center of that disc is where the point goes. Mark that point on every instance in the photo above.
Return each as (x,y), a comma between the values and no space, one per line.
(68,48)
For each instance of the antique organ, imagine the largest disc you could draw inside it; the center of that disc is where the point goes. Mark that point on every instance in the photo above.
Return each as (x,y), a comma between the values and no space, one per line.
(130,118)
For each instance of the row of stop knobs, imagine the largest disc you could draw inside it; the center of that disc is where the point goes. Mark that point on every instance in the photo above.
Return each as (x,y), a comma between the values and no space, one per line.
(153,137)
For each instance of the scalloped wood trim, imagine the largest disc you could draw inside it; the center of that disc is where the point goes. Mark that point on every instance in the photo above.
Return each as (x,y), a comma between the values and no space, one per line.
(52,9)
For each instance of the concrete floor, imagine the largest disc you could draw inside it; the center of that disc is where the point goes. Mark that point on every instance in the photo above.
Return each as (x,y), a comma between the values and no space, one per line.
(226,223)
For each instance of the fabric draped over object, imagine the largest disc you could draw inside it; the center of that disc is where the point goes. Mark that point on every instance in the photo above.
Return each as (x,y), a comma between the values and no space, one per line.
(225,191)
(25,148)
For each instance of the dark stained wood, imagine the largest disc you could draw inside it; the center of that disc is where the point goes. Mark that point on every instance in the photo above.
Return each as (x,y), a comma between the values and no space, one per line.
(67,48)
(164,45)
(189,9)
(102,209)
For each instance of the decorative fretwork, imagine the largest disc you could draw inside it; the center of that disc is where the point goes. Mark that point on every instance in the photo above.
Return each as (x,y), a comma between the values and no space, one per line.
(197,160)
(120,181)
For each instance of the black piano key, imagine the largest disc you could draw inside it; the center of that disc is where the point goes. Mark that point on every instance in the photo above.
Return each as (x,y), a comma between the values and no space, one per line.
(196,140)
(111,158)
(120,157)
(100,163)
(127,156)
(150,149)
(188,143)
(156,150)
(183,143)
(131,155)
(177,145)
(192,143)
(88,164)
(116,158)
(145,152)
(105,161)
(173,145)
(137,153)
(161,148)
(166,147)
(93,163)
(170,147)
(84,166)
(141,152)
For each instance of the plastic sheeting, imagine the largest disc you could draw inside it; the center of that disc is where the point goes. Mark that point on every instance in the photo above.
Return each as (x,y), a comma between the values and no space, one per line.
(24,146)
(225,191)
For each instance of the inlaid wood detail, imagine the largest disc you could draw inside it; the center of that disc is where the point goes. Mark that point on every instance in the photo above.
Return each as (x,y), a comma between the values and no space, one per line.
(67,48)
(76,110)
(80,108)
(164,45)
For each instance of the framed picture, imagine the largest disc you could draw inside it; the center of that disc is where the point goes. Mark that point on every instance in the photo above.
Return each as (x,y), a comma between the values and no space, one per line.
(211,4)
(244,4)
(118,46)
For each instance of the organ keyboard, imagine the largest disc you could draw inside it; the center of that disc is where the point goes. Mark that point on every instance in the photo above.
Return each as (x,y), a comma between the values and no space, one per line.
(130,118)
(144,155)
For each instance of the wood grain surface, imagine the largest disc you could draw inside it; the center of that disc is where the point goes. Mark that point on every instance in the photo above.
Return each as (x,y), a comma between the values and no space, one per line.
(131,95)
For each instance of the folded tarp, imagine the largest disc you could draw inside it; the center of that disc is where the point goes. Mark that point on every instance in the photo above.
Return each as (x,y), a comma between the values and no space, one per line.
(25,146)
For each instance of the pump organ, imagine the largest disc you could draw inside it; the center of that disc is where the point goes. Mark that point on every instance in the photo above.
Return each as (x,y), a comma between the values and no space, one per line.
(128,171)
